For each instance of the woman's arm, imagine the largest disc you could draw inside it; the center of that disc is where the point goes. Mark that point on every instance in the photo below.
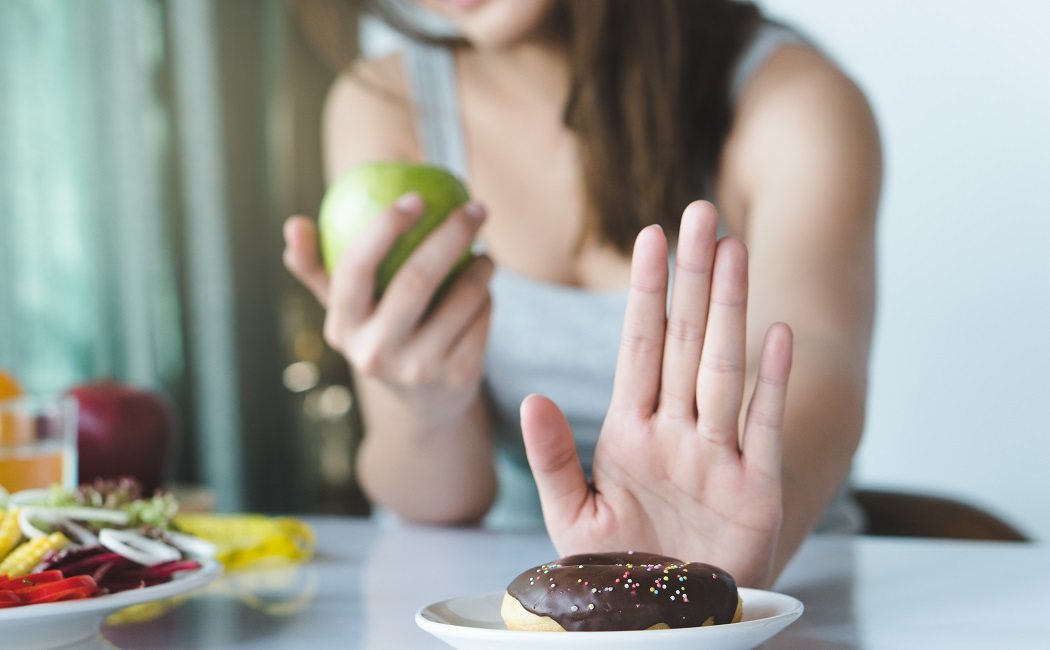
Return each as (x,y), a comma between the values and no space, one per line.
(426,454)
(801,180)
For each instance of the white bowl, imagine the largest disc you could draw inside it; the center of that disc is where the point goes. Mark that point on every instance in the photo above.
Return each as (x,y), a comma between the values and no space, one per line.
(50,625)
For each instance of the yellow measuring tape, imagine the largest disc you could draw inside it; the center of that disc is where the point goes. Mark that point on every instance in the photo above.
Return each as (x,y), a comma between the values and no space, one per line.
(242,542)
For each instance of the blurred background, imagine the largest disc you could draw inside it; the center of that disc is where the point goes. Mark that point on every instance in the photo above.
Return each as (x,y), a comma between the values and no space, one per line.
(151,149)
(149,153)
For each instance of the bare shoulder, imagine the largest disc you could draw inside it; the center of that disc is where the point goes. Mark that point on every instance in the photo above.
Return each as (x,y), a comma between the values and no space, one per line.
(802,121)
(802,172)
(368,115)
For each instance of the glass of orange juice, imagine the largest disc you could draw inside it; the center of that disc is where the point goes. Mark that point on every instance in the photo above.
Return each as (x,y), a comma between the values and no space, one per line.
(38,442)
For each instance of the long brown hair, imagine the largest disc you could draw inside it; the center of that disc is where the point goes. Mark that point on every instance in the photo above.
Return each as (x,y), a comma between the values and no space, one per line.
(649,102)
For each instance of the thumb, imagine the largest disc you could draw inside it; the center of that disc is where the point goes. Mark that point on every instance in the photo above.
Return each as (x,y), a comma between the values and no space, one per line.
(552,456)
(302,256)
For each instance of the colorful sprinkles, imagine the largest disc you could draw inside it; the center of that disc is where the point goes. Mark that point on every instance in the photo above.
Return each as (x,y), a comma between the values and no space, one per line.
(590,590)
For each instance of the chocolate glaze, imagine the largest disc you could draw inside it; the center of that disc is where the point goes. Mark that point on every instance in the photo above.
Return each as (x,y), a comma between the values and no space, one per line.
(626,591)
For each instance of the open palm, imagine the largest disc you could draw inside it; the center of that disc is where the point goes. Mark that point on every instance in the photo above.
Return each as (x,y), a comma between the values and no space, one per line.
(673,472)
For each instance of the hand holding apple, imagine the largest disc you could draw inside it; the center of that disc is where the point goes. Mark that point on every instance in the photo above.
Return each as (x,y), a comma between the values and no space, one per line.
(362,194)
(396,236)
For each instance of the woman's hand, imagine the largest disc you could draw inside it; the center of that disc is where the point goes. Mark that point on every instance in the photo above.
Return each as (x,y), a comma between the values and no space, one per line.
(426,454)
(673,472)
(431,358)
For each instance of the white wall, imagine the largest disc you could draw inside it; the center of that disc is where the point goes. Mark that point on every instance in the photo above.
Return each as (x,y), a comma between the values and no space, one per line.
(960,394)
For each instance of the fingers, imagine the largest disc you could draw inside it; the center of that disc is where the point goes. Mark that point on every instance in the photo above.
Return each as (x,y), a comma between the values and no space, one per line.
(689,301)
(637,380)
(412,288)
(353,281)
(466,360)
(765,414)
(552,456)
(302,256)
(455,312)
(720,386)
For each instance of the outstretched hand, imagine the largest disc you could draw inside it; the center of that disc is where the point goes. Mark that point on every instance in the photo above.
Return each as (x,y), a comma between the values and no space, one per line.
(674,472)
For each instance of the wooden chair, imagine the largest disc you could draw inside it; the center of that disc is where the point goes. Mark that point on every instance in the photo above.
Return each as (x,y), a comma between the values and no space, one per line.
(903,514)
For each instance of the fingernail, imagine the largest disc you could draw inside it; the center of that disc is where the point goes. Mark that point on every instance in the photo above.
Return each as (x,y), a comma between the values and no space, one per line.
(410,203)
(649,230)
(521,407)
(474,211)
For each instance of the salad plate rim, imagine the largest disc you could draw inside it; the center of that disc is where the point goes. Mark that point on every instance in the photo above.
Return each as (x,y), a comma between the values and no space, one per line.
(182,582)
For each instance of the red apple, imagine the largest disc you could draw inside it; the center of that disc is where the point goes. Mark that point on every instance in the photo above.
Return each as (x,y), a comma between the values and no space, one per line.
(123,431)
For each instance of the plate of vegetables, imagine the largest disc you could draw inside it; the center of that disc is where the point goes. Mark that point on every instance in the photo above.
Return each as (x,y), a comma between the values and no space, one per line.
(69,559)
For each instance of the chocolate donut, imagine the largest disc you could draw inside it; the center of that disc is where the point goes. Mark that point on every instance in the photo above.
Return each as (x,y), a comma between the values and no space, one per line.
(620,591)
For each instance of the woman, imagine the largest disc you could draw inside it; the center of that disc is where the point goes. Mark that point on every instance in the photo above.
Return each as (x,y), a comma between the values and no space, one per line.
(578,123)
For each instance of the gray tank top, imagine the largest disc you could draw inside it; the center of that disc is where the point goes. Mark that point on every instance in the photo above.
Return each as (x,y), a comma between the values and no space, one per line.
(552,339)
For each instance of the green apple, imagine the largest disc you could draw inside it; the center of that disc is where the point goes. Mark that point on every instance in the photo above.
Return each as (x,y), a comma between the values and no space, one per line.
(364,193)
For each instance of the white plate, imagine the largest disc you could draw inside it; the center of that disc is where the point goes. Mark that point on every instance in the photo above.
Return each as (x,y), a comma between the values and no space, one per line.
(52,625)
(473,622)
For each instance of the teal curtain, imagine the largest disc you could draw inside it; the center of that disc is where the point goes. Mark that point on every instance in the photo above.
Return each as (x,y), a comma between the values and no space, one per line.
(86,284)
(149,152)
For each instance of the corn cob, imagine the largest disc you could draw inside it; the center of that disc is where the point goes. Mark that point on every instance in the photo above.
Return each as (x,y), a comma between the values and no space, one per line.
(22,560)
(9,532)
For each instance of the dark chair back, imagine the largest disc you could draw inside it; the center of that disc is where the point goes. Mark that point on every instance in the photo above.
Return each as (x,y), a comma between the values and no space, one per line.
(903,514)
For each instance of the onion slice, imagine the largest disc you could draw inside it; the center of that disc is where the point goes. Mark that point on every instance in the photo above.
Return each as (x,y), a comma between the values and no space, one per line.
(194,546)
(84,536)
(32,497)
(137,547)
(57,514)
(27,527)
(65,516)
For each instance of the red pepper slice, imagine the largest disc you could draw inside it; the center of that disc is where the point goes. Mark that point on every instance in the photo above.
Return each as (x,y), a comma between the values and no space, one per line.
(76,593)
(30,581)
(9,599)
(53,590)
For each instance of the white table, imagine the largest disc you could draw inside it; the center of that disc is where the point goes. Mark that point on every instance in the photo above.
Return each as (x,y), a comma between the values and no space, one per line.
(367,582)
